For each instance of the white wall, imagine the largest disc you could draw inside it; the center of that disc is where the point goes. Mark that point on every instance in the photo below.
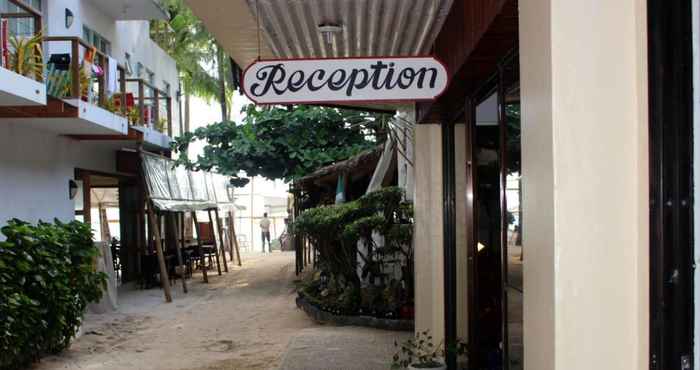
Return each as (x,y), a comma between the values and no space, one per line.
(35,168)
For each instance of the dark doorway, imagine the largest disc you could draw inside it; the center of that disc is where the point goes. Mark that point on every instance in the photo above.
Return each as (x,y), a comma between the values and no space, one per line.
(495,250)
(671,184)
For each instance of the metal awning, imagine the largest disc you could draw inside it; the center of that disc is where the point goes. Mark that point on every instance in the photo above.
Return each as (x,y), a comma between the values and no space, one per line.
(290,29)
(174,188)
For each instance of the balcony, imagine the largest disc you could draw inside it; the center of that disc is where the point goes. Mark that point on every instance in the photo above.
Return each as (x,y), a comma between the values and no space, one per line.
(90,98)
(149,110)
(131,10)
(78,80)
(21,59)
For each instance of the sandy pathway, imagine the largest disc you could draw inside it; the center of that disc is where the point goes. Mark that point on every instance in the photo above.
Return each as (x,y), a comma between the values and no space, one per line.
(240,320)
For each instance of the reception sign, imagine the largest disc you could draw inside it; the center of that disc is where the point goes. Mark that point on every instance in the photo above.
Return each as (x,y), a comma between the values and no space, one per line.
(344,80)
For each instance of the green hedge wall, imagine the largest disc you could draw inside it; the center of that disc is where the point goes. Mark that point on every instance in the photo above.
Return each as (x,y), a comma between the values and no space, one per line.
(47,278)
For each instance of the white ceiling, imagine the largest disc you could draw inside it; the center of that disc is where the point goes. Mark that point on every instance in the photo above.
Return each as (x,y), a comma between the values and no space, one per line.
(131,10)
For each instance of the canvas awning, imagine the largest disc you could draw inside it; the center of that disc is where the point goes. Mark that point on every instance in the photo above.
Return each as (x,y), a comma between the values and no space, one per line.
(174,188)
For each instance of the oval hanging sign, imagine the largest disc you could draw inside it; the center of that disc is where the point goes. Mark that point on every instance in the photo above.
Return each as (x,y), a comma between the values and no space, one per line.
(343,80)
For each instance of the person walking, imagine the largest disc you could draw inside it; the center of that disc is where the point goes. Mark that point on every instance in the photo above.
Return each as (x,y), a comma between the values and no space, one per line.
(265,228)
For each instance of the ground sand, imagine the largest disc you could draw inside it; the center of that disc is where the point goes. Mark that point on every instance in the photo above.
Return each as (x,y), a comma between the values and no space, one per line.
(240,320)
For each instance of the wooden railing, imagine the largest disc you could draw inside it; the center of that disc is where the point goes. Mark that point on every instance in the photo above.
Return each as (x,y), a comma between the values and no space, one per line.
(160,103)
(25,12)
(100,59)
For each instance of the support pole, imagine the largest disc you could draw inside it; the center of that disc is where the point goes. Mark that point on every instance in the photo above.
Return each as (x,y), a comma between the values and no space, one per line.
(450,247)
(203,261)
(173,221)
(219,225)
(159,252)
(216,246)
(234,238)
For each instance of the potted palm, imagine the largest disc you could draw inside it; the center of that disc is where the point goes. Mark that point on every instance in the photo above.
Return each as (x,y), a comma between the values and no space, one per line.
(422,353)
(26,57)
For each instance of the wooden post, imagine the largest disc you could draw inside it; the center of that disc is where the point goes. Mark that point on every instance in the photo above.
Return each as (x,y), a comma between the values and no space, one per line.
(169,102)
(173,221)
(203,261)
(164,281)
(122,91)
(221,238)
(156,108)
(216,247)
(102,80)
(75,69)
(142,106)
(87,204)
(234,238)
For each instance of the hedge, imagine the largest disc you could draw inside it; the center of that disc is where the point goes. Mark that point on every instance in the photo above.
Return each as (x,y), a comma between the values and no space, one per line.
(47,279)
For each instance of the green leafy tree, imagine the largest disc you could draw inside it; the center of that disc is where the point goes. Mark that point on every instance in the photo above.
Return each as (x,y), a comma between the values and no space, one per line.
(203,66)
(283,142)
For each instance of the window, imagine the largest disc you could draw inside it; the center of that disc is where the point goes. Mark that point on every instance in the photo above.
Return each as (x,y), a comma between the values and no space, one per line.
(95,39)
(127,64)
(21,26)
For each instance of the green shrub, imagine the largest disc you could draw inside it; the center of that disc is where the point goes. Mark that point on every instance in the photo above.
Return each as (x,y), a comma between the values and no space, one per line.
(336,230)
(47,278)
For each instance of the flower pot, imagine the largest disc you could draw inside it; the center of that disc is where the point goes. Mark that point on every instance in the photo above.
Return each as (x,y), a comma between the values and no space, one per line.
(441,366)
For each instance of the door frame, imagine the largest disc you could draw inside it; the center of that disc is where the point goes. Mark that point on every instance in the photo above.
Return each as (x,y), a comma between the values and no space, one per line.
(671,205)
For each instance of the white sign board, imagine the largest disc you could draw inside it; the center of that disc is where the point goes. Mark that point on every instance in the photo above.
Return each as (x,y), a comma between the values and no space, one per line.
(343,80)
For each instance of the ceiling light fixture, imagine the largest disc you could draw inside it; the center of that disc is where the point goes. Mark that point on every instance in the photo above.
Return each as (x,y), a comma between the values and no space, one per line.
(329,31)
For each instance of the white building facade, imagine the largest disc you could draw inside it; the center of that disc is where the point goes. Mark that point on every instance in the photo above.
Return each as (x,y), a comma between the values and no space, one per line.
(49,143)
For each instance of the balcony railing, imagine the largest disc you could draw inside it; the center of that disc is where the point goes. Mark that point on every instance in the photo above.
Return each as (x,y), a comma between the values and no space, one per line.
(22,24)
(82,72)
(152,107)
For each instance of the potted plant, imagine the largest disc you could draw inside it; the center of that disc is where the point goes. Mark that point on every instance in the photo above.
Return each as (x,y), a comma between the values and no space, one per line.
(422,353)
(26,57)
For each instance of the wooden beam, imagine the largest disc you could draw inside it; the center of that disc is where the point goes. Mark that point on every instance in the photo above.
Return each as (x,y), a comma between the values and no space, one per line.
(219,225)
(234,238)
(199,244)
(213,235)
(133,135)
(54,108)
(164,281)
(173,226)
(87,206)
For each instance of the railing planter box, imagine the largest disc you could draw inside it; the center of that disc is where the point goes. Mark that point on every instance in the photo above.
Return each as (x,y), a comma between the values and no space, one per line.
(17,90)
(153,138)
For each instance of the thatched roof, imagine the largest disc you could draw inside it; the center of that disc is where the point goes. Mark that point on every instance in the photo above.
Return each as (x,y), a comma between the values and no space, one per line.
(366,160)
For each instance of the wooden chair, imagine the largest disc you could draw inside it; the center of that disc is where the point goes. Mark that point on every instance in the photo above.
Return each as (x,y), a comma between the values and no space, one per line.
(204,231)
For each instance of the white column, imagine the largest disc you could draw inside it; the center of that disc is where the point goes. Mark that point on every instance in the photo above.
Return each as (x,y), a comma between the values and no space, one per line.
(428,234)
(585,184)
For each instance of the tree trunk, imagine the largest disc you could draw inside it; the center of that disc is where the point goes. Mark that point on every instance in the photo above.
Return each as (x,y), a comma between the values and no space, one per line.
(222,83)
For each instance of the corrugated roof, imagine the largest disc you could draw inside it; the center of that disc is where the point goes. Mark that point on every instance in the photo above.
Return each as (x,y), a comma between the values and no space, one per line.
(289,28)
(367,158)
(369,27)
